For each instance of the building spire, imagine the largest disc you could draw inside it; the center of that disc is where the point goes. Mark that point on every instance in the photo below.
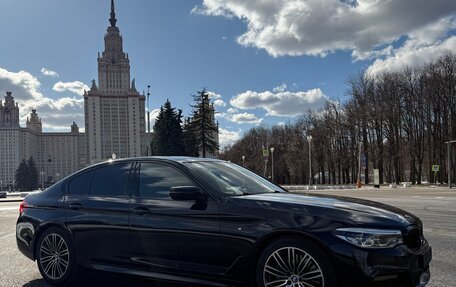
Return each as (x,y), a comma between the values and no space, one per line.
(113,19)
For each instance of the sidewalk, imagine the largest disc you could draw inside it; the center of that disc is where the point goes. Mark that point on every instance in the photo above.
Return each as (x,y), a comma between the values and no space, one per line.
(401,187)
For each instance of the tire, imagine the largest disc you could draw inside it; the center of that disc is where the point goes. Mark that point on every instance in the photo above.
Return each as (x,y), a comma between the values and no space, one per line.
(310,265)
(56,257)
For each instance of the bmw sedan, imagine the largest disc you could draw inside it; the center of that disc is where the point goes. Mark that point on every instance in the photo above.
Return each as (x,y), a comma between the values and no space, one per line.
(211,222)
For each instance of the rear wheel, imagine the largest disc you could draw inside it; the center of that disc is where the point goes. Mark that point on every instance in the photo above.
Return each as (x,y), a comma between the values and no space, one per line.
(56,257)
(294,262)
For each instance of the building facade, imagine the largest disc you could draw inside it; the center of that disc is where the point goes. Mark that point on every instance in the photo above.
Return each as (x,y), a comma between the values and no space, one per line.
(56,154)
(114,113)
(114,110)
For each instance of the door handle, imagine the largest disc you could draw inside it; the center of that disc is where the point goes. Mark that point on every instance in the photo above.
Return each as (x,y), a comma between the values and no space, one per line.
(75,206)
(141,210)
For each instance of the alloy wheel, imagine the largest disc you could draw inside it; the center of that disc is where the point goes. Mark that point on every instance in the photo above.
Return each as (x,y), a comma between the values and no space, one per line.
(292,267)
(54,256)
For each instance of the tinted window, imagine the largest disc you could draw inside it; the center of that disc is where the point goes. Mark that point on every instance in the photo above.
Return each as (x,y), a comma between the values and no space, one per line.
(80,184)
(156,179)
(110,180)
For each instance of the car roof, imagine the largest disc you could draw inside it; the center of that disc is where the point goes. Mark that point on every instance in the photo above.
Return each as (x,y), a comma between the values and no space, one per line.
(179,159)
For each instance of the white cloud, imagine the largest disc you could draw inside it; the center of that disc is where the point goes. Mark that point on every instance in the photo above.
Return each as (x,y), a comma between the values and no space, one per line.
(76,87)
(232,110)
(367,55)
(280,88)
(219,103)
(281,103)
(319,27)
(422,47)
(56,114)
(213,95)
(241,118)
(245,118)
(406,57)
(227,137)
(49,73)
(153,117)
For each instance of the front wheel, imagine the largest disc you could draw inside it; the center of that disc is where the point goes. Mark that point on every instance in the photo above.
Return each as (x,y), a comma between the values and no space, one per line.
(294,262)
(56,257)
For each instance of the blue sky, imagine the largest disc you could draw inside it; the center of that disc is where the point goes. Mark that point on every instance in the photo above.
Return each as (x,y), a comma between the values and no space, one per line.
(265,61)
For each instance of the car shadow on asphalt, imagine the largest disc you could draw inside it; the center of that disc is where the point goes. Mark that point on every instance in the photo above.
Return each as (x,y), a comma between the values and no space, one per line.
(100,279)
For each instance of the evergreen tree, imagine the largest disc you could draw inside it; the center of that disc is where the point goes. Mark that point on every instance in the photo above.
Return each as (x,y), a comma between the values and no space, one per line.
(202,123)
(33,174)
(190,140)
(22,176)
(168,137)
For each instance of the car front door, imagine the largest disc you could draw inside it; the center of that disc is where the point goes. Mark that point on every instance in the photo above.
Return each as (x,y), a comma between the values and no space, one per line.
(98,214)
(169,234)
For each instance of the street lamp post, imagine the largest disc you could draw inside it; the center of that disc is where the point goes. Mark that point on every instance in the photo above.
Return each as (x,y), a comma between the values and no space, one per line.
(309,139)
(243,160)
(272,163)
(148,122)
(1,185)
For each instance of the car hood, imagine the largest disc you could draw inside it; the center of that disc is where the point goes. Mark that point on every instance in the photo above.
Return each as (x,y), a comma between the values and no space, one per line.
(356,211)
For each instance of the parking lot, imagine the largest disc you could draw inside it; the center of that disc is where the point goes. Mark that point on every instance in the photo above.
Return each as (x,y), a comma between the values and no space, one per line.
(436,208)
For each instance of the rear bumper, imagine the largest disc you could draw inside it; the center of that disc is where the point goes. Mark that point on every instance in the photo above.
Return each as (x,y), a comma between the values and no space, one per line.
(25,249)
(397,266)
(24,238)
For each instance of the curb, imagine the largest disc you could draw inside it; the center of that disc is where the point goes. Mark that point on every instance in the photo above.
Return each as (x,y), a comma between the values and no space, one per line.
(11,200)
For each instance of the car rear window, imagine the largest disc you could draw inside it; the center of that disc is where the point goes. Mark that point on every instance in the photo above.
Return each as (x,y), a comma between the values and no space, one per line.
(81,183)
(110,180)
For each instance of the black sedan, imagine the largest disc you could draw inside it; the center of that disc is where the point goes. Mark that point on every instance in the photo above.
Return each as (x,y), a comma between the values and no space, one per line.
(211,222)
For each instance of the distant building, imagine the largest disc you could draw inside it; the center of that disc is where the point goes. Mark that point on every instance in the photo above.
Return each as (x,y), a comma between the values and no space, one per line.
(114,111)
(56,154)
(114,115)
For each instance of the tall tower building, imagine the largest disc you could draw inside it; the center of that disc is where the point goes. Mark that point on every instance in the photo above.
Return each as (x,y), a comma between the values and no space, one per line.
(34,122)
(9,112)
(114,110)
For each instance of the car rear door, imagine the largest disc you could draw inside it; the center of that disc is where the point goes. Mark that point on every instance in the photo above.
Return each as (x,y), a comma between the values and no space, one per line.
(97,203)
(172,235)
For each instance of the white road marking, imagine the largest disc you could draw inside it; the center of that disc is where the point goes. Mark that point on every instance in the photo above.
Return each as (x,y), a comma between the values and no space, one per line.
(9,208)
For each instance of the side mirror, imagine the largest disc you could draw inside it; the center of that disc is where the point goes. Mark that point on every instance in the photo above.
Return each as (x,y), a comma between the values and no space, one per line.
(185,193)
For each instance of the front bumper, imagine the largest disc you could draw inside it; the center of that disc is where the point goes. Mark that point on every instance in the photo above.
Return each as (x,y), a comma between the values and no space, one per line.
(397,266)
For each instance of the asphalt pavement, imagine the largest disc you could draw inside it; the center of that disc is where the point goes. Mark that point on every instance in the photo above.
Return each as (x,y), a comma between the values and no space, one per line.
(435,207)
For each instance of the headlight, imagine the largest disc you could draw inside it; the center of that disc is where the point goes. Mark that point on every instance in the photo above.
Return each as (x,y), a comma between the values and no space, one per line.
(370,238)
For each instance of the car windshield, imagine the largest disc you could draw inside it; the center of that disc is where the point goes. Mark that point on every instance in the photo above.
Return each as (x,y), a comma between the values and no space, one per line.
(232,179)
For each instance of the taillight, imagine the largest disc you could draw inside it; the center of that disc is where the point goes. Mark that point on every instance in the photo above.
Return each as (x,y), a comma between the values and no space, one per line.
(22,207)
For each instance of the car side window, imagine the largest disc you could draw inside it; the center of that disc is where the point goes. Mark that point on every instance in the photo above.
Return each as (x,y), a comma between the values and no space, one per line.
(81,183)
(155,180)
(111,180)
